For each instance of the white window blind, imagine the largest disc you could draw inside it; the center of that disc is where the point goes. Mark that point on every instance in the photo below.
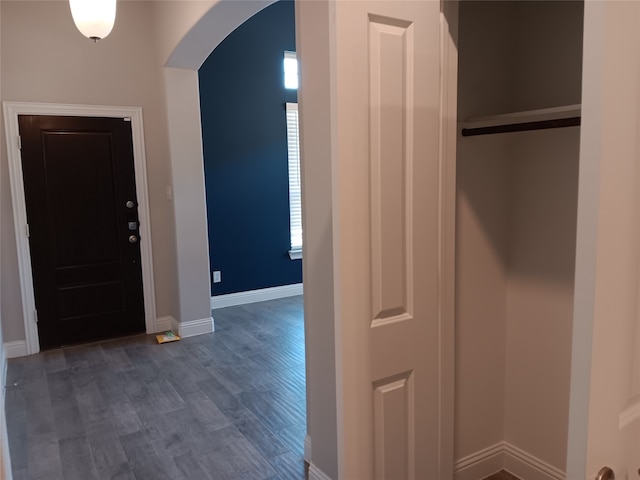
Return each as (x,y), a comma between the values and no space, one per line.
(295,201)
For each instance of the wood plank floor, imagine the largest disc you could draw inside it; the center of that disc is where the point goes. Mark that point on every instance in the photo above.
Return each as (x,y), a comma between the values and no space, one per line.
(502,475)
(227,405)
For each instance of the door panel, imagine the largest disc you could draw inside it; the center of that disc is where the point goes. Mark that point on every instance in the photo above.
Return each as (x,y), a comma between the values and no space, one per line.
(393,192)
(83,218)
(79,175)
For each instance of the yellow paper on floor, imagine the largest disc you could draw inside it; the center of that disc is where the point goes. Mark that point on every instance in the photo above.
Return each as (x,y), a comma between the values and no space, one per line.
(167,336)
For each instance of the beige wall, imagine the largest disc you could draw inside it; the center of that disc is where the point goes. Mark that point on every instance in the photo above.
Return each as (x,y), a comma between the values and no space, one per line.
(481,292)
(544,194)
(188,30)
(186,33)
(517,201)
(11,305)
(485,43)
(187,166)
(5,461)
(173,20)
(547,71)
(482,228)
(318,261)
(45,59)
(547,62)
(519,56)
(516,220)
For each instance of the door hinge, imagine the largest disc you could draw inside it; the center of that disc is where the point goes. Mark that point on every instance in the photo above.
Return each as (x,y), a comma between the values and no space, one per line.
(19,142)
(127,119)
(35,316)
(26,230)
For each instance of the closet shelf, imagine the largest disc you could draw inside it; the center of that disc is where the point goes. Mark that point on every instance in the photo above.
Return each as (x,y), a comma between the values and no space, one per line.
(556,117)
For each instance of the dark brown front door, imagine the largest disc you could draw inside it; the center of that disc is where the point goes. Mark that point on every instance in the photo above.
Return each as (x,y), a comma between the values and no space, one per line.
(79,183)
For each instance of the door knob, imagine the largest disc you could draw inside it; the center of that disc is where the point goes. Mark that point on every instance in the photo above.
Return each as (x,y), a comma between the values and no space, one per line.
(606,473)
(134,239)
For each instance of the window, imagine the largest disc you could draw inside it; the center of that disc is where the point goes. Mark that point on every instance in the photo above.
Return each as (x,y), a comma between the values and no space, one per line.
(290,70)
(295,203)
(293,152)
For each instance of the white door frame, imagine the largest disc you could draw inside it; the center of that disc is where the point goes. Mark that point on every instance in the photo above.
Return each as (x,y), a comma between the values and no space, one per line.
(11,112)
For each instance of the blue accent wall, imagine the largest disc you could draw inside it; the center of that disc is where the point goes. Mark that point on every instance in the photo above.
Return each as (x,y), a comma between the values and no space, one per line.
(242,99)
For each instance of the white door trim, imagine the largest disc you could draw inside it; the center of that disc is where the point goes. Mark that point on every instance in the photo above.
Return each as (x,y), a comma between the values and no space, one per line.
(11,112)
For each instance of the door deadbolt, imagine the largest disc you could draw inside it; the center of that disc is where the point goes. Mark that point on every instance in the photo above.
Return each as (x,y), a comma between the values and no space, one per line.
(134,239)
(130,204)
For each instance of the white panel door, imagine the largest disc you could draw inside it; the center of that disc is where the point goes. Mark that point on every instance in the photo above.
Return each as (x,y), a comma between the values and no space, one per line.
(604,423)
(394,165)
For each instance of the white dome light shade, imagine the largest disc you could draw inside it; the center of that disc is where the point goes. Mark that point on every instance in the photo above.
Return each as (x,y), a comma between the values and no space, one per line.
(94,18)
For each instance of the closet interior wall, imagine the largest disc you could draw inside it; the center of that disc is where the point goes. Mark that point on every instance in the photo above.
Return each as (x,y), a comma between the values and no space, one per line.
(515,239)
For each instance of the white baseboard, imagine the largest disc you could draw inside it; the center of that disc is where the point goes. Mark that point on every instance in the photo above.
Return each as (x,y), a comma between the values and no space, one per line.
(480,464)
(15,349)
(164,323)
(316,474)
(251,296)
(193,327)
(524,465)
(187,329)
(307,449)
(505,456)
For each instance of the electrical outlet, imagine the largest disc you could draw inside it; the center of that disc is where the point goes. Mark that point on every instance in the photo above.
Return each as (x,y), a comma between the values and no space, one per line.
(216,276)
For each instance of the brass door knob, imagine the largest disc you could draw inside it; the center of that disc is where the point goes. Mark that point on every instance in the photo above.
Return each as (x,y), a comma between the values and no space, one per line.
(606,473)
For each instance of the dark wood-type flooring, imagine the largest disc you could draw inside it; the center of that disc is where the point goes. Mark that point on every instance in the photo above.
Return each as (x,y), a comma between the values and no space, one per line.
(226,405)
(502,475)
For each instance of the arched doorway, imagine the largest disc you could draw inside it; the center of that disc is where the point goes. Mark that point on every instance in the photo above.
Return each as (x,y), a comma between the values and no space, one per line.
(203,34)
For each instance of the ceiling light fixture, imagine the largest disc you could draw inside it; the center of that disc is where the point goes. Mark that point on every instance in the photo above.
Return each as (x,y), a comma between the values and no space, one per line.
(94,18)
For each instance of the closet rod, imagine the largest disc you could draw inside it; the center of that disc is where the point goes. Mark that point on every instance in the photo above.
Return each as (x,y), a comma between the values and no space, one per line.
(521,127)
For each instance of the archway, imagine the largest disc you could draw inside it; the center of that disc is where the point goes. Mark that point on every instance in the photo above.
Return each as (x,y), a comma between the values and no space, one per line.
(182,96)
